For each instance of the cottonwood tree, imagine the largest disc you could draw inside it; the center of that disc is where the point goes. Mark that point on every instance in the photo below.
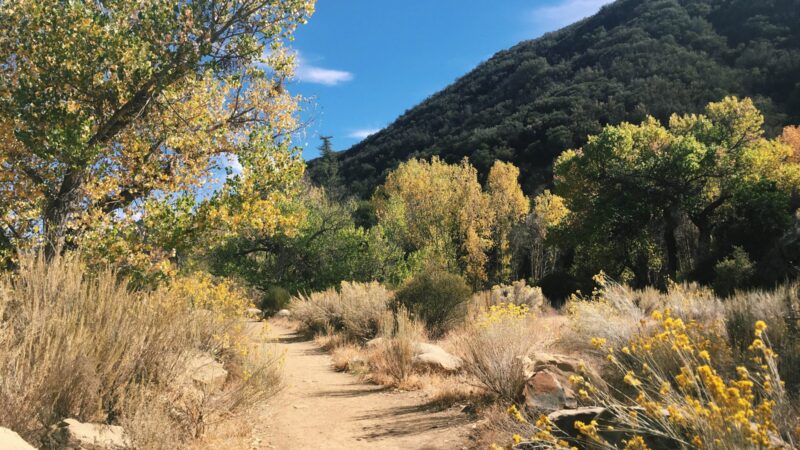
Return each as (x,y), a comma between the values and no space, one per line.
(104,104)
(630,186)
(509,206)
(438,210)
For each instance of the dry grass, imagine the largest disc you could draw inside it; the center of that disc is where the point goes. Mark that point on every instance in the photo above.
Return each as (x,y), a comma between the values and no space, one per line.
(390,360)
(780,309)
(350,358)
(75,345)
(445,391)
(355,310)
(494,346)
(616,312)
(518,293)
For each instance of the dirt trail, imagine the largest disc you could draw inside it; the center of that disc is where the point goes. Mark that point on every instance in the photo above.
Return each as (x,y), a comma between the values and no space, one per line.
(323,409)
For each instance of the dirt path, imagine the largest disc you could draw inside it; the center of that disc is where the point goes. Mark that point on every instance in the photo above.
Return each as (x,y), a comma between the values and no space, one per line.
(323,409)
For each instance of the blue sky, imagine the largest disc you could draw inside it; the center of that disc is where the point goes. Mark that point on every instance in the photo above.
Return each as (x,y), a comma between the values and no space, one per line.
(362,63)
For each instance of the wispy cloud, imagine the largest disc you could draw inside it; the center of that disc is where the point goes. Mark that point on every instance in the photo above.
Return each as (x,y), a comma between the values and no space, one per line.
(565,12)
(309,73)
(363,133)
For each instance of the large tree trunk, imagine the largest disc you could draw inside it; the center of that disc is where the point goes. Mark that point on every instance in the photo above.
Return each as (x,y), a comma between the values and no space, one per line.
(59,210)
(702,220)
(670,225)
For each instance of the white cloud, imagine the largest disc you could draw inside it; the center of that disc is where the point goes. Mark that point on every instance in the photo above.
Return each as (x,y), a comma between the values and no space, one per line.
(309,73)
(565,12)
(363,133)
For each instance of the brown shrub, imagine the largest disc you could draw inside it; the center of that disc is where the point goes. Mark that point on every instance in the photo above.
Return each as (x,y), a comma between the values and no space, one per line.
(391,359)
(75,345)
(355,310)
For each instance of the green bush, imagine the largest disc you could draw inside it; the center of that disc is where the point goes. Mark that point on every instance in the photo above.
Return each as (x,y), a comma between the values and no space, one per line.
(437,297)
(275,299)
(732,272)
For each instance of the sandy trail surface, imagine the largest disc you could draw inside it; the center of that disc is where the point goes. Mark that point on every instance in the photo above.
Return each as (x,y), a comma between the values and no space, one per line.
(323,409)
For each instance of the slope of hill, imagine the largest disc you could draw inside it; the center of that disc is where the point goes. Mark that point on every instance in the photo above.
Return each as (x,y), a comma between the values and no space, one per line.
(633,58)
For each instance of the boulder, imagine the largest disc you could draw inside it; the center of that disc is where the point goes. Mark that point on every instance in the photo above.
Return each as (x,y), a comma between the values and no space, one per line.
(432,357)
(283,313)
(549,387)
(565,419)
(10,440)
(425,347)
(74,435)
(253,313)
(545,391)
(568,365)
(206,373)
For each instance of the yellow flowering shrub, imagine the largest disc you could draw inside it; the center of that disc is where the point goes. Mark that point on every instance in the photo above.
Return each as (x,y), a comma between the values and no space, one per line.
(202,291)
(693,405)
(502,312)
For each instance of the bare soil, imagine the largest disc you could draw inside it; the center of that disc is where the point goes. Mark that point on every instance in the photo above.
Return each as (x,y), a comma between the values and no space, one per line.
(320,408)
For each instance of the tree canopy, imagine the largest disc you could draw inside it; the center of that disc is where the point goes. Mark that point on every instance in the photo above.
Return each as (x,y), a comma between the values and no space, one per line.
(107,105)
(669,201)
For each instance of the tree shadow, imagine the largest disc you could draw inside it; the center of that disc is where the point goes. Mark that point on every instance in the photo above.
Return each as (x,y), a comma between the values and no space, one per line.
(409,420)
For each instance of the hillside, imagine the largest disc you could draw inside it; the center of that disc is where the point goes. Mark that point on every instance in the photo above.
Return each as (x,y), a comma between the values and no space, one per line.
(633,58)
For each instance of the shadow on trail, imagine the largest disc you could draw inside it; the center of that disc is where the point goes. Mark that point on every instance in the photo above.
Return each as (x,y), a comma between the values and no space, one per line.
(289,339)
(349,392)
(415,424)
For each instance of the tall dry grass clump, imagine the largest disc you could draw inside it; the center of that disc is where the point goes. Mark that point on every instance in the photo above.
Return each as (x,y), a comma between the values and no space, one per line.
(780,310)
(518,293)
(88,347)
(614,312)
(391,358)
(356,310)
(494,346)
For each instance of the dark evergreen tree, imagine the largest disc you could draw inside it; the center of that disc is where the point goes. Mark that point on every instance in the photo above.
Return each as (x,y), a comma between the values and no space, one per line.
(327,170)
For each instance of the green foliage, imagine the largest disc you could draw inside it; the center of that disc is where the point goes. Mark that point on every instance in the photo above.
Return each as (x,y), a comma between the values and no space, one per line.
(274,299)
(633,58)
(733,272)
(105,106)
(326,173)
(639,196)
(437,297)
(325,249)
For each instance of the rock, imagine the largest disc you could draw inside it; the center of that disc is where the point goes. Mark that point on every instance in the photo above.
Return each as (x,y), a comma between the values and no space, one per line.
(545,391)
(549,387)
(283,313)
(438,361)
(206,373)
(565,419)
(253,313)
(565,364)
(433,357)
(424,347)
(74,435)
(10,440)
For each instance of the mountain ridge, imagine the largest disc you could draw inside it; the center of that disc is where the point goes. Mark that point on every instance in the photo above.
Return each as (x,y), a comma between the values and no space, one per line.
(633,58)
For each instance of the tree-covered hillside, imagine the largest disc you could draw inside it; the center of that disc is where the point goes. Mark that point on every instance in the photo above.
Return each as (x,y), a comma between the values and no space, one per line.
(634,58)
